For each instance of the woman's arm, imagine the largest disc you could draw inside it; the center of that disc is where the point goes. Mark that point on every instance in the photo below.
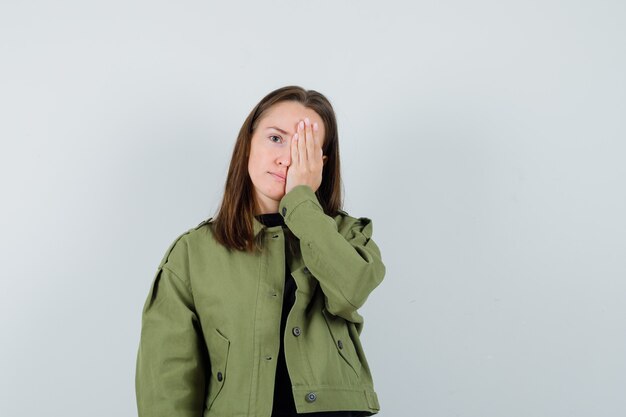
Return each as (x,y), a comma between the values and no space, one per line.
(347,263)
(172,358)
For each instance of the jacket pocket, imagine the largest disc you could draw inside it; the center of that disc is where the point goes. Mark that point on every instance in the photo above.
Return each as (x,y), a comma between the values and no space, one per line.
(343,341)
(218,346)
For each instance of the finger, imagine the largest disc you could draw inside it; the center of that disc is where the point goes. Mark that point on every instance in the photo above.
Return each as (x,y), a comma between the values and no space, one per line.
(318,147)
(302,144)
(294,151)
(310,141)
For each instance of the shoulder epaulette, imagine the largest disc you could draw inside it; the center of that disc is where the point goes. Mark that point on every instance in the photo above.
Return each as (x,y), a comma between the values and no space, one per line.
(167,252)
(203,222)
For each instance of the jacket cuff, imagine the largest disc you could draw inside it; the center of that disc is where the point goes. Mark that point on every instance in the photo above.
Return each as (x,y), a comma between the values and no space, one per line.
(294,207)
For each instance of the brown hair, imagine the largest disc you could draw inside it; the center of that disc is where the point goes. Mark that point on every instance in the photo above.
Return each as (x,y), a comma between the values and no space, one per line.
(233,224)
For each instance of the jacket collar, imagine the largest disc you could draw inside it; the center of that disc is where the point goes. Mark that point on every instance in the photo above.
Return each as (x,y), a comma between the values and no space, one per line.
(256,224)
(259,227)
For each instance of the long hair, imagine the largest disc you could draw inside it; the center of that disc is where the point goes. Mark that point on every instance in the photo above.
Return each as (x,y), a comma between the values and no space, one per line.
(233,224)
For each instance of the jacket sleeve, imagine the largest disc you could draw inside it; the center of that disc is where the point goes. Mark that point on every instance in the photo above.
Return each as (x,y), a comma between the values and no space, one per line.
(346,262)
(172,358)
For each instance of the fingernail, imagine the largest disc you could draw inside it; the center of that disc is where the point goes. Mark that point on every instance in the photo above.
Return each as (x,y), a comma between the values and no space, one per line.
(307,121)
(301,124)
(315,126)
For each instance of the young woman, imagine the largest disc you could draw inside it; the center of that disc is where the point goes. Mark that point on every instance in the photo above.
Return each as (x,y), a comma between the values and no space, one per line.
(254,311)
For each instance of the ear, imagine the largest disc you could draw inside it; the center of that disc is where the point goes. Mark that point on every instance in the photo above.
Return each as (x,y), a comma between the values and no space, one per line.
(324,158)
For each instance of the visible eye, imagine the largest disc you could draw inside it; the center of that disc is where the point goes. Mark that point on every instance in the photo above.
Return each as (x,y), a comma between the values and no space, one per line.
(274,136)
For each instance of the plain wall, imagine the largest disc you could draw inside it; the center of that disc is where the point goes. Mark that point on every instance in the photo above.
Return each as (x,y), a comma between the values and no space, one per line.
(485,139)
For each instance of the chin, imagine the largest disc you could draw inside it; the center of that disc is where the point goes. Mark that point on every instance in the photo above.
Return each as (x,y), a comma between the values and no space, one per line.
(275,190)
(280,194)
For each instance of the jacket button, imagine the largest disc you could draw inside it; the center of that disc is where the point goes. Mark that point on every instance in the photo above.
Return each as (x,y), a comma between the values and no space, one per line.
(310,397)
(296,331)
(306,270)
(284,211)
(340,344)
(219,376)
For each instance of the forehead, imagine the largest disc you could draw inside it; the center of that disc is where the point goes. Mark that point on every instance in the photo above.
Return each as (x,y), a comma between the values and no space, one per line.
(287,114)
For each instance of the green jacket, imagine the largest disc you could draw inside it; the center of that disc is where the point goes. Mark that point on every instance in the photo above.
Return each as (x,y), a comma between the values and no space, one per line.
(211,321)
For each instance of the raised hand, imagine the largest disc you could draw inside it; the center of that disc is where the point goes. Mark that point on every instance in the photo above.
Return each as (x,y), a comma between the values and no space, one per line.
(307,159)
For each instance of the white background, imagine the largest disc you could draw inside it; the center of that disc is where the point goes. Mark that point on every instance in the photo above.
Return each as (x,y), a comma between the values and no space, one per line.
(485,139)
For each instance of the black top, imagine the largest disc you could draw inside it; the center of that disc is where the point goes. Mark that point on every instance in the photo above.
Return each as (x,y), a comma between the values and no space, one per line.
(284,405)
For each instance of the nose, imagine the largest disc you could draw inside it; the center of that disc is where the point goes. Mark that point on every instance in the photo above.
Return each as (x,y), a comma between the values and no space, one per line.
(284,157)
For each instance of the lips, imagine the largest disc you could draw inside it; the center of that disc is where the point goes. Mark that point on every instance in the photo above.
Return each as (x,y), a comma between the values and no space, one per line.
(278,175)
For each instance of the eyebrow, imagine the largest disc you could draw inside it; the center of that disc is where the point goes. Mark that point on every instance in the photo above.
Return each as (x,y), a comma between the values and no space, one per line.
(279,129)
